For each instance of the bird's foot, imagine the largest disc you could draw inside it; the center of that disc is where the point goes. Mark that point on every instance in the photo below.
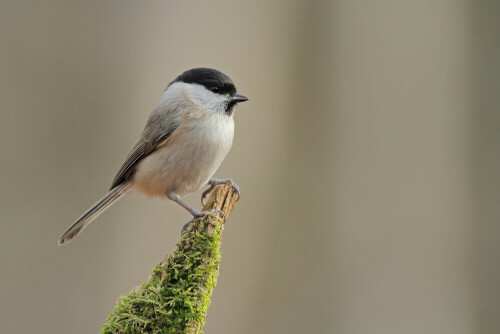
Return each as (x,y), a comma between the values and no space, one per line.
(198,214)
(214,182)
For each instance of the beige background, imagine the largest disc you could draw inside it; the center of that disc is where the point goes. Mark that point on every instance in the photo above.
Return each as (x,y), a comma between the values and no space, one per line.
(368,161)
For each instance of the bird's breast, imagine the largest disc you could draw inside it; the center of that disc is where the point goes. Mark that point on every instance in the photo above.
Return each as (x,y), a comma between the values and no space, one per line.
(188,159)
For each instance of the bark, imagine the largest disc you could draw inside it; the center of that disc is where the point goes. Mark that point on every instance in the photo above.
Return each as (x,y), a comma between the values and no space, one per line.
(176,297)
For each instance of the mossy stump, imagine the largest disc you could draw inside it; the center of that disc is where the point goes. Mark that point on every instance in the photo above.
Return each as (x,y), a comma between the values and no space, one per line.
(177,296)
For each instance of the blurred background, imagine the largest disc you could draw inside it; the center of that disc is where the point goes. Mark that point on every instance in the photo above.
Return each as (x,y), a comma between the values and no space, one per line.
(367,157)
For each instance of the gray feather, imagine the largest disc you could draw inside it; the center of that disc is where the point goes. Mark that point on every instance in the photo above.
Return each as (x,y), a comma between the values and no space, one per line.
(161,124)
(99,207)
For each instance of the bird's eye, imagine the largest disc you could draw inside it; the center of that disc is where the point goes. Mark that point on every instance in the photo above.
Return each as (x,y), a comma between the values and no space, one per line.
(215,89)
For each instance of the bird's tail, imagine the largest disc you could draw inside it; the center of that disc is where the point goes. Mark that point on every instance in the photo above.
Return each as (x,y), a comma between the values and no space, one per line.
(99,207)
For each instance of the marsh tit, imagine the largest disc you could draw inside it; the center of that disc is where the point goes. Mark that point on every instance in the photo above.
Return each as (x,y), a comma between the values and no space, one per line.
(184,141)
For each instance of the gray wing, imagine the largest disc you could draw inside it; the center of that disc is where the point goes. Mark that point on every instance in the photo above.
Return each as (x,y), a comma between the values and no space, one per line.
(160,126)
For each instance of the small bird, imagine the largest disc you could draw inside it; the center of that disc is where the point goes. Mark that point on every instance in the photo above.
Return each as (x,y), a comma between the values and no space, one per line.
(186,138)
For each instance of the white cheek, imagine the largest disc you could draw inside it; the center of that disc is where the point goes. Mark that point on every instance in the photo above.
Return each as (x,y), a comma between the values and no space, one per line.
(210,101)
(175,95)
(182,94)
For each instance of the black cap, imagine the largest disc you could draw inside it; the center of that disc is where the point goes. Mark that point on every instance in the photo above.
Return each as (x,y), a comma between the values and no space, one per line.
(213,80)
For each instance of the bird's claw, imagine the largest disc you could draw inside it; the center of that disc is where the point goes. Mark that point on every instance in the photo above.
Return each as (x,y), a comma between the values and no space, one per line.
(198,214)
(214,182)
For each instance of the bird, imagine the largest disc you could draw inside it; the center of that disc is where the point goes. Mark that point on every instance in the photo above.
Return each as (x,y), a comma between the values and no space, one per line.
(185,139)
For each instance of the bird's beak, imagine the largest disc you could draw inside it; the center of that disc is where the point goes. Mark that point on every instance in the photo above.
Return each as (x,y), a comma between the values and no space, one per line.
(239,98)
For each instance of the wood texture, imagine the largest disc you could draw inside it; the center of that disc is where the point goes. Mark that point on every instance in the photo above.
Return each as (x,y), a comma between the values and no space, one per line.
(176,297)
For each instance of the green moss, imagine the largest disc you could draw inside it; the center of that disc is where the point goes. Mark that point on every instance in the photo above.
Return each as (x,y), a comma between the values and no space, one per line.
(176,298)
